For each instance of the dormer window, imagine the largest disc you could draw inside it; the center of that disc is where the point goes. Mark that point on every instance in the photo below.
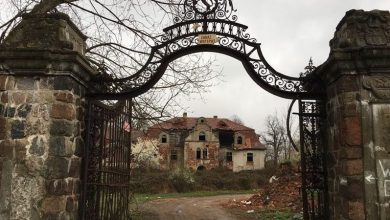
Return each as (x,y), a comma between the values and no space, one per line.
(164,138)
(239,140)
(202,136)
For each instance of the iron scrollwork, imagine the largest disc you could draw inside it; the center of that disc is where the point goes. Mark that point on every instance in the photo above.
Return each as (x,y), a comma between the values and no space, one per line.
(197,18)
(313,162)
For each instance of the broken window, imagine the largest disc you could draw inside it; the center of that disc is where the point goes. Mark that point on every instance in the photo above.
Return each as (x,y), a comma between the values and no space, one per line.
(239,140)
(205,153)
(202,136)
(198,154)
(226,138)
(229,156)
(249,157)
(164,138)
(173,154)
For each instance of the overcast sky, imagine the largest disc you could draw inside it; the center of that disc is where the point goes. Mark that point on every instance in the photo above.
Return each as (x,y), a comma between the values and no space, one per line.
(290,33)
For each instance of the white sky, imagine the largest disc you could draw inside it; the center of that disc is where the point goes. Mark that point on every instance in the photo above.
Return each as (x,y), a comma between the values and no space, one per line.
(290,31)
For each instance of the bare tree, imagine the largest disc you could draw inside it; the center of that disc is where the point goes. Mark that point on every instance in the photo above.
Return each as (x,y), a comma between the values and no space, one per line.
(276,138)
(120,35)
(237,119)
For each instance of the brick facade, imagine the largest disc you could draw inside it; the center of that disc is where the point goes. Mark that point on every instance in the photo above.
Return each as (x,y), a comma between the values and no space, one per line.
(183,138)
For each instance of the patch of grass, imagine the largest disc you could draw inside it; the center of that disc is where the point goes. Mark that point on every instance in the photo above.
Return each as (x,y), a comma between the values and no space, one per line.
(264,214)
(143,215)
(141,198)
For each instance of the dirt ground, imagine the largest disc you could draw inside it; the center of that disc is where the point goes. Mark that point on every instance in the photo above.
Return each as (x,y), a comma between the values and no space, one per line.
(197,208)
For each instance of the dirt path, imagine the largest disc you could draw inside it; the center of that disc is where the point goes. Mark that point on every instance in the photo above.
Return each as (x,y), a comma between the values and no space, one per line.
(199,208)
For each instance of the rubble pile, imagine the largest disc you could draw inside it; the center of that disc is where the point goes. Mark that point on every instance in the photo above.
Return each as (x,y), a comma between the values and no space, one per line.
(281,192)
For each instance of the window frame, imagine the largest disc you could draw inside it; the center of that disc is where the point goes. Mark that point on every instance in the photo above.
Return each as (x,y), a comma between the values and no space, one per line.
(205,154)
(198,154)
(164,139)
(229,156)
(248,156)
(173,155)
(202,136)
(240,140)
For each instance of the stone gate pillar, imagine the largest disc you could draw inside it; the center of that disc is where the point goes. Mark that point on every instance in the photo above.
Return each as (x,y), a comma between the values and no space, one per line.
(43,80)
(357,78)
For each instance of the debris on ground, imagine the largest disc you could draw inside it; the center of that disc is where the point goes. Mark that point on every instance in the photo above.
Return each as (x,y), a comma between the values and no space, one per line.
(281,192)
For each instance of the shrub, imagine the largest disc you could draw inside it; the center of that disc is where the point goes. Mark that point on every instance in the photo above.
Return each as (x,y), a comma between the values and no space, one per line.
(182,180)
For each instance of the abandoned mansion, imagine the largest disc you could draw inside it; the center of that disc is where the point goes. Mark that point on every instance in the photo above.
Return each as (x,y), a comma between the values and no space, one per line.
(207,143)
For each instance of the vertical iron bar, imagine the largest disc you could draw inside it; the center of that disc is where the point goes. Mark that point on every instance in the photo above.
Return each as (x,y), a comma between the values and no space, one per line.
(303,162)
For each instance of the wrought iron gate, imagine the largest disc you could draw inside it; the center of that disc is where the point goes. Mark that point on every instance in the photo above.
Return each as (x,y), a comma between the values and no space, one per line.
(106,163)
(313,166)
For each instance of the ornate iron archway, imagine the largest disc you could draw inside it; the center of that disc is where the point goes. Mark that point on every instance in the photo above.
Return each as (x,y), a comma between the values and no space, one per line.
(207,26)
(211,26)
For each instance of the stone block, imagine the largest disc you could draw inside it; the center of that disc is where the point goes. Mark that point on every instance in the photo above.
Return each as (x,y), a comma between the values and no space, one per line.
(66,83)
(71,204)
(43,97)
(21,150)
(2,110)
(78,146)
(9,111)
(3,128)
(18,97)
(46,83)
(54,204)
(352,167)
(350,109)
(18,129)
(57,167)
(3,82)
(37,146)
(64,97)
(351,153)
(356,210)
(24,110)
(59,187)
(61,128)
(60,146)
(4,97)
(351,131)
(75,167)
(7,149)
(354,190)
(63,111)
(347,84)
(25,83)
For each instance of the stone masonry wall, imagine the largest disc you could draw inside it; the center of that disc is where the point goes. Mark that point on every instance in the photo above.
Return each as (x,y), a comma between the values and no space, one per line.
(357,82)
(41,123)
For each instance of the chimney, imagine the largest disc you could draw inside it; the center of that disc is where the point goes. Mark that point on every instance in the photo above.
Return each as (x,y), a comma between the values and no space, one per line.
(185,115)
(215,116)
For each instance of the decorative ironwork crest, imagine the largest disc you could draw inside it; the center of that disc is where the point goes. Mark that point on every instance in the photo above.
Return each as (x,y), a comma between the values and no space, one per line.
(207,9)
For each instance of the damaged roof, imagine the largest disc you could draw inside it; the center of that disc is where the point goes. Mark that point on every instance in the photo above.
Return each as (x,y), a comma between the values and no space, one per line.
(190,122)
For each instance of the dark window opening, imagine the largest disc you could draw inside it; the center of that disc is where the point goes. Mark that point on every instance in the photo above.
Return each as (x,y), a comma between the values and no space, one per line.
(205,153)
(198,154)
(226,138)
(202,136)
(249,157)
(173,154)
(201,168)
(164,138)
(239,140)
(229,156)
